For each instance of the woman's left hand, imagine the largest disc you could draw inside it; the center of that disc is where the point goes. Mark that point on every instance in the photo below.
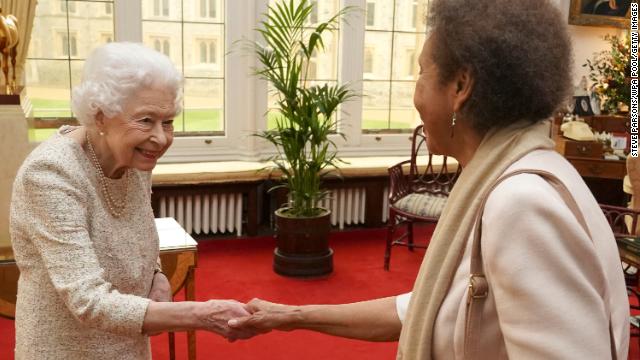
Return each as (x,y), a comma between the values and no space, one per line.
(160,288)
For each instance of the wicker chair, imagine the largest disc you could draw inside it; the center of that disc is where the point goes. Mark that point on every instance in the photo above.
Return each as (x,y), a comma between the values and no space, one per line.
(622,220)
(418,196)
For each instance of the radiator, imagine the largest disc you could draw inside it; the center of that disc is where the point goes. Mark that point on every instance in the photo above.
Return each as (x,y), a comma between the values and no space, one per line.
(347,206)
(222,213)
(205,213)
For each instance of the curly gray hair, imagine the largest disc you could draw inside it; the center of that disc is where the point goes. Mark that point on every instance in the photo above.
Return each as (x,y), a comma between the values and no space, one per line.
(114,72)
(518,52)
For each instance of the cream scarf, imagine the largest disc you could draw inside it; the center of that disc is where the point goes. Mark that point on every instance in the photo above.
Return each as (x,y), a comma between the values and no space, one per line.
(498,150)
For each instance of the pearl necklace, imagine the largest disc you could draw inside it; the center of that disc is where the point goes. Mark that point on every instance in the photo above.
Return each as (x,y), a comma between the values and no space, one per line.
(116,208)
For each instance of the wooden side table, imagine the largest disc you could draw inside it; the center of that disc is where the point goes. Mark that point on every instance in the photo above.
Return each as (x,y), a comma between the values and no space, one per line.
(178,253)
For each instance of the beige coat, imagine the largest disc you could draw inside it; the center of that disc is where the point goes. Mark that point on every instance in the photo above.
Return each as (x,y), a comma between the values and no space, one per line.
(547,278)
(84,275)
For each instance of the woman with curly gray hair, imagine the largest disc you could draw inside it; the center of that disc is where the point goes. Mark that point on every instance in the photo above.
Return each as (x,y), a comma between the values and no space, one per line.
(522,263)
(82,228)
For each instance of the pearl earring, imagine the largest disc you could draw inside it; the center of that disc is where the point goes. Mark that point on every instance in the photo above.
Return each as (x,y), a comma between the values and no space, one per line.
(101,133)
(453,122)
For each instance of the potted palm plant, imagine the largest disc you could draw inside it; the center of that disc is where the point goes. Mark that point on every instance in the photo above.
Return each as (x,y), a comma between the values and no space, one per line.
(304,121)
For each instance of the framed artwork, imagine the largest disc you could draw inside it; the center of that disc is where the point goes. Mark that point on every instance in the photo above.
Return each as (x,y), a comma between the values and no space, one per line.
(620,141)
(611,13)
(582,106)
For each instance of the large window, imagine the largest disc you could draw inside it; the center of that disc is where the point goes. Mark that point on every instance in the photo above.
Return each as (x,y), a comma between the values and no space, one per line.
(323,65)
(181,37)
(375,51)
(64,32)
(388,83)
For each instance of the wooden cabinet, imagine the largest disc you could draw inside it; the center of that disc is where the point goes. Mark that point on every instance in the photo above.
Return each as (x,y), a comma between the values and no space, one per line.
(599,168)
(603,177)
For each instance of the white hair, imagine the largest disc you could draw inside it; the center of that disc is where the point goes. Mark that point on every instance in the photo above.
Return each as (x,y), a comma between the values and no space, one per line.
(115,71)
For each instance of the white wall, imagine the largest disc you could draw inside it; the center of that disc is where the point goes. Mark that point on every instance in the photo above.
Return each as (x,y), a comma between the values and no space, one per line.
(586,41)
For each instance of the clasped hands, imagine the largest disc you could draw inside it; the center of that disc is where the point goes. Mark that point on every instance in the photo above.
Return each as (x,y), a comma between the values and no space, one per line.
(229,318)
(235,320)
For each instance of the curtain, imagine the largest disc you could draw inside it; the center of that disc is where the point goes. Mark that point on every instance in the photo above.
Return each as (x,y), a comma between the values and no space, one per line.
(25,12)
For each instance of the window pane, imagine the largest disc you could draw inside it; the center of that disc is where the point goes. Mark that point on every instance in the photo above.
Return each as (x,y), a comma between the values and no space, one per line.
(411,15)
(324,9)
(57,50)
(403,114)
(204,10)
(371,13)
(212,8)
(323,65)
(199,40)
(162,9)
(375,105)
(203,105)
(379,43)
(76,72)
(196,46)
(48,87)
(273,113)
(326,60)
(379,15)
(406,49)
(395,45)
(155,34)
(86,27)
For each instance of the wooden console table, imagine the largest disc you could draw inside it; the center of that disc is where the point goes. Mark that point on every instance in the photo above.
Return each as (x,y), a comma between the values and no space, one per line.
(599,168)
(603,177)
(178,253)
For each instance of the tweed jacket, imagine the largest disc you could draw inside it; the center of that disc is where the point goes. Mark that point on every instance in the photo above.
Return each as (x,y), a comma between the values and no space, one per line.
(84,274)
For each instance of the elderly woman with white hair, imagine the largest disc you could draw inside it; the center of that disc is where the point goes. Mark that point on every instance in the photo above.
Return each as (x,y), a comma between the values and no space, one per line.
(82,226)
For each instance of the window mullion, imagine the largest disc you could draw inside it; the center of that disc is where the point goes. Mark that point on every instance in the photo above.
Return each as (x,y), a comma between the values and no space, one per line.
(352,50)
(128,20)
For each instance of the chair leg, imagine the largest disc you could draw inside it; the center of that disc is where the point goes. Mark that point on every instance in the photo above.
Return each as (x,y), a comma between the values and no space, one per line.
(172,346)
(390,230)
(410,235)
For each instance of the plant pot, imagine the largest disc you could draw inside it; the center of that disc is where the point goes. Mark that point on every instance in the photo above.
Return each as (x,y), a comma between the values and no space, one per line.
(302,245)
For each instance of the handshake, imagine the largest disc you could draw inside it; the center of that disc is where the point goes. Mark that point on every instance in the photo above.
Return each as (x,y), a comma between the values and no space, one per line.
(235,320)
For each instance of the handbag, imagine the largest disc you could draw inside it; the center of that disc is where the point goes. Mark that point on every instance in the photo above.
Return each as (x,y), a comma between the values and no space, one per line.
(478,287)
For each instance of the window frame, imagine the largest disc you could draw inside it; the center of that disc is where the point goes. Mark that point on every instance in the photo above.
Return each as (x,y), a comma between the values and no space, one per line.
(245,99)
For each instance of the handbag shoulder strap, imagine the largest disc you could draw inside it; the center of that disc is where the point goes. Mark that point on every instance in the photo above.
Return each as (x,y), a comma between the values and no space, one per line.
(478,286)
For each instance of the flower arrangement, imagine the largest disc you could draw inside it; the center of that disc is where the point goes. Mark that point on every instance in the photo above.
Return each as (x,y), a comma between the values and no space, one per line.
(610,73)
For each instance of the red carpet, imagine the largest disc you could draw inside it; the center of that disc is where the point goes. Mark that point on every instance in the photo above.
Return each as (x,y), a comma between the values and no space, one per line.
(241,269)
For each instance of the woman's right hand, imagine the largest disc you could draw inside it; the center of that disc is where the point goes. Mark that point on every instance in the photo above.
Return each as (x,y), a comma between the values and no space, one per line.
(214,315)
(266,316)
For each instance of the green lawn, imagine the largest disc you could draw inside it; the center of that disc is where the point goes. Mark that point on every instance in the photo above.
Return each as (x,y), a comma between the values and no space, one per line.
(190,120)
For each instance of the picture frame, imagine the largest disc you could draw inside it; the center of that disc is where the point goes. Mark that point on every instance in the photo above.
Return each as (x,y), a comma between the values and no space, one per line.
(582,106)
(620,141)
(600,13)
